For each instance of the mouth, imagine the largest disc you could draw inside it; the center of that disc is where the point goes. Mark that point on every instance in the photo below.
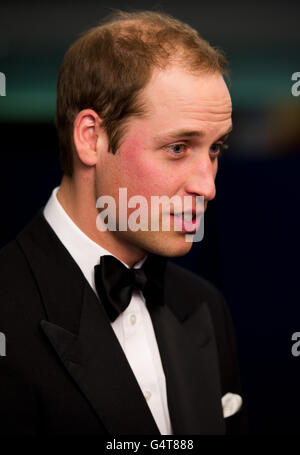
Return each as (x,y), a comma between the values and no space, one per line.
(187,221)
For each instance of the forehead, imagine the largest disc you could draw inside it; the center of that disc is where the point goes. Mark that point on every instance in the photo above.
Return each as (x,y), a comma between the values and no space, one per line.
(176,96)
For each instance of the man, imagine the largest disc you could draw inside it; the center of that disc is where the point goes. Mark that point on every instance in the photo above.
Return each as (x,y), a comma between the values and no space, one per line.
(141,105)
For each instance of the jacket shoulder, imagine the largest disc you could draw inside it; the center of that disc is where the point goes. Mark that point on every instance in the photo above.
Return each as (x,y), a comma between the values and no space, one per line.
(13,266)
(18,289)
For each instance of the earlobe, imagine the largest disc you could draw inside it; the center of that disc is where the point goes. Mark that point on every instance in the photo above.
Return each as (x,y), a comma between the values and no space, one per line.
(85,136)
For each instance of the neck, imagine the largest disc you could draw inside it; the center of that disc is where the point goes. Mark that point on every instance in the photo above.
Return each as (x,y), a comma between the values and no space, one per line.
(78,199)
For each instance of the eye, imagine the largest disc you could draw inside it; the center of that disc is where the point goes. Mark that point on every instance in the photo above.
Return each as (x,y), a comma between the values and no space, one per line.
(177,149)
(218,148)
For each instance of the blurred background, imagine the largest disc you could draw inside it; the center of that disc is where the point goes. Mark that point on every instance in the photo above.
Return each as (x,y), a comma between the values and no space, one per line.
(250,248)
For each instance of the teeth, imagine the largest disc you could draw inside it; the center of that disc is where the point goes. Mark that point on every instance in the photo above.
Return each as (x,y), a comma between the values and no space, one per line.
(181,215)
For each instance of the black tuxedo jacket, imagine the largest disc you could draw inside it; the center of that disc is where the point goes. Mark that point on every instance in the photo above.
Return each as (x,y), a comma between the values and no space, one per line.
(64,371)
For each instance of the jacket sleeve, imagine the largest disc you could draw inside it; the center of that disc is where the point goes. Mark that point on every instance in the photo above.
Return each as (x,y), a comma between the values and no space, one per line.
(18,404)
(18,398)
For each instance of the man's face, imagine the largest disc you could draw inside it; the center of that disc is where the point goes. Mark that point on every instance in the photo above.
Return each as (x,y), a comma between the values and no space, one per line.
(172,151)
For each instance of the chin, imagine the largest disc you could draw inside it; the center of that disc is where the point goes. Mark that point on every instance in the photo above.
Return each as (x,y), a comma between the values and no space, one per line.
(169,247)
(176,251)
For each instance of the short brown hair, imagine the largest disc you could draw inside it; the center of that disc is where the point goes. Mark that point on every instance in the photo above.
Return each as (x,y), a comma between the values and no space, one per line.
(107,67)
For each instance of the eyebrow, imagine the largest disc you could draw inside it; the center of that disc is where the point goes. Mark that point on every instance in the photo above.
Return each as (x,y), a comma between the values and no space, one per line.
(173,135)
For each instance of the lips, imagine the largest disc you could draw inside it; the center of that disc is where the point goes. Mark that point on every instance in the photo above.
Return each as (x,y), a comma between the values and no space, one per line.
(187,221)
(189,215)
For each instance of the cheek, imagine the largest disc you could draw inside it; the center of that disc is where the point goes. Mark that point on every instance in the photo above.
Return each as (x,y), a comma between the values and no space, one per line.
(215,168)
(142,171)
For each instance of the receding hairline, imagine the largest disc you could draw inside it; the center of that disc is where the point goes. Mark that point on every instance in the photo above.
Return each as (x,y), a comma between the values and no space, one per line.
(132,45)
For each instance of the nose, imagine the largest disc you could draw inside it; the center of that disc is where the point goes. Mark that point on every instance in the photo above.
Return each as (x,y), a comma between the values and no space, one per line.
(201,179)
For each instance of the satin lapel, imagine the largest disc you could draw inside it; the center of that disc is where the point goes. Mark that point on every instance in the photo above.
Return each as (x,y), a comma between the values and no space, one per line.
(80,332)
(188,352)
(98,365)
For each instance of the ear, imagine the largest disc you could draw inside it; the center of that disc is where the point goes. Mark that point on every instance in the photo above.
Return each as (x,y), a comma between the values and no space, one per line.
(87,134)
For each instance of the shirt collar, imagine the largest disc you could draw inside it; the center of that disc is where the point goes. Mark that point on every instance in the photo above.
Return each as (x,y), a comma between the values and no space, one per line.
(85,252)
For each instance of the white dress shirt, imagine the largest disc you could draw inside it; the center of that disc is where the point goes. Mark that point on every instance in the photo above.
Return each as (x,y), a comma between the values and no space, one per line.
(133,327)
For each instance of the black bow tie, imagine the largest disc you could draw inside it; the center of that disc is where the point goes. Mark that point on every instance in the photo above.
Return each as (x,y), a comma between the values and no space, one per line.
(115,283)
